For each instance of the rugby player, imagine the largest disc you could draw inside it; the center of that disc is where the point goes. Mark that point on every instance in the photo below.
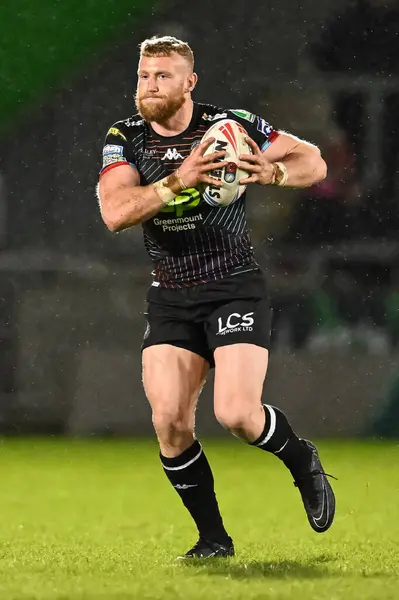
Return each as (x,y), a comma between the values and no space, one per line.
(208,303)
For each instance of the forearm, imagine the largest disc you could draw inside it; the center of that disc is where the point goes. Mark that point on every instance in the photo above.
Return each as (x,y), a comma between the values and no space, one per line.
(131,205)
(304,169)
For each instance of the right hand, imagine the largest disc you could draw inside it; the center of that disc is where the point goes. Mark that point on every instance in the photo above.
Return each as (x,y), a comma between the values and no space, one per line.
(195,168)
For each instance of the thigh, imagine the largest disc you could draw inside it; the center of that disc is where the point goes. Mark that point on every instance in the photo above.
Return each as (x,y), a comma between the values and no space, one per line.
(172,378)
(240,371)
(239,334)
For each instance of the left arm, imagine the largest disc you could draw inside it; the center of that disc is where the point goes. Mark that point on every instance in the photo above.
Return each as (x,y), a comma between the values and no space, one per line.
(288,161)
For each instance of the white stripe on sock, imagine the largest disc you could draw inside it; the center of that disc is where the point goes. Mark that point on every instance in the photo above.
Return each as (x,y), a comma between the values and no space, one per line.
(272,427)
(187,464)
(282,447)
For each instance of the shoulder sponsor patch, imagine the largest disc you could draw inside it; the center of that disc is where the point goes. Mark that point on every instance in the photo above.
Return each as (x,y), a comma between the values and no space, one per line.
(116,131)
(112,149)
(244,114)
(110,159)
(264,127)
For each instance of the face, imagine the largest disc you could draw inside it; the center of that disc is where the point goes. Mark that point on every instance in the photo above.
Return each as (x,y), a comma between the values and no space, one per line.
(164,85)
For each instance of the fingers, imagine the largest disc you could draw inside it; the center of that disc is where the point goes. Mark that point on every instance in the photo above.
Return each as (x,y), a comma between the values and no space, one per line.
(251,179)
(250,168)
(213,166)
(206,170)
(253,173)
(252,145)
(251,158)
(214,156)
(211,180)
(202,148)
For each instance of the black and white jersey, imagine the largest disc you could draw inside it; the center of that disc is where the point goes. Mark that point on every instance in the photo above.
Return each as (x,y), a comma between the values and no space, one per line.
(189,241)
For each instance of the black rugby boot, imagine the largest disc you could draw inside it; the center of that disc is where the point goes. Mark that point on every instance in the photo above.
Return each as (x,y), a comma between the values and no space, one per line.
(210,549)
(317,494)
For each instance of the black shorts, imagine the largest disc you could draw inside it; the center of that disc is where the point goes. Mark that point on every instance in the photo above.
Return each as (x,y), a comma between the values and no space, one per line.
(204,317)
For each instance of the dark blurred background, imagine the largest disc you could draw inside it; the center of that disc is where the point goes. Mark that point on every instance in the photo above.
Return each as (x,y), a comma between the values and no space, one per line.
(72,294)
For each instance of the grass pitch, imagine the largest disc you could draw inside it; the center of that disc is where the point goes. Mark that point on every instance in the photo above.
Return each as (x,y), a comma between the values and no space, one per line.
(97,520)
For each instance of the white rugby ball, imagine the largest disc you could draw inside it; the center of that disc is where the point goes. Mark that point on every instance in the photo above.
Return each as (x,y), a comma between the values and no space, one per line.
(229,137)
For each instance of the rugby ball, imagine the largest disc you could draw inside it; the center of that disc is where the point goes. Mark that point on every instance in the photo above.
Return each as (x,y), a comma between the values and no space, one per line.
(229,137)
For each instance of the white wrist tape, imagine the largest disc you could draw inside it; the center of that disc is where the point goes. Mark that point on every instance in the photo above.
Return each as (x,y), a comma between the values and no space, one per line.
(284,171)
(164,192)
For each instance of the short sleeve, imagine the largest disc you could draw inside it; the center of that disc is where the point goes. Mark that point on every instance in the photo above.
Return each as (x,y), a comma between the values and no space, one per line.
(116,149)
(258,128)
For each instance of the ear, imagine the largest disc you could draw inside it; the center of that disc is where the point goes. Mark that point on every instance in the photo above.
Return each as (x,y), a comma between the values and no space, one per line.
(191,82)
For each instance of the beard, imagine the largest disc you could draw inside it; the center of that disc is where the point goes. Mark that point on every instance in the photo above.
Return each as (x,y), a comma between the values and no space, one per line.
(161,108)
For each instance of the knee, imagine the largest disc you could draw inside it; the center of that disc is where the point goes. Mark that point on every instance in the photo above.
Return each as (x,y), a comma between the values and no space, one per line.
(231,416)
(242,417)
(171,425)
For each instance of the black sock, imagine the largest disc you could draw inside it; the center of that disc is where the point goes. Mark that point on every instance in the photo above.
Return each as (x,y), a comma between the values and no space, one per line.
(191,476)
(279,438)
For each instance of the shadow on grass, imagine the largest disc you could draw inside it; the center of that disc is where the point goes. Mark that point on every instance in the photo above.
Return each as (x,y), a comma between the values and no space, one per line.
(316,568)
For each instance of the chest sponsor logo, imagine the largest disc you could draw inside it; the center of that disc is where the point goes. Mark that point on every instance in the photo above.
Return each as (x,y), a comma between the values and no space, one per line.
(235,323)
(178,223)
(186,201)
(172,154)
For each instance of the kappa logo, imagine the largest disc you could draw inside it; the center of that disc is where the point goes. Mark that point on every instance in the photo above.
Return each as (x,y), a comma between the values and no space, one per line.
(235,323)
(172,154)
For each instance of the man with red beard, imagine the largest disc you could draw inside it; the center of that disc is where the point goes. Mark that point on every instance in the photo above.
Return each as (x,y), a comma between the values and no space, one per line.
(208,303)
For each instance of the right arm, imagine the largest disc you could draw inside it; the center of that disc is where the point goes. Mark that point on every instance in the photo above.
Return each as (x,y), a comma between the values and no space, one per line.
(125,203)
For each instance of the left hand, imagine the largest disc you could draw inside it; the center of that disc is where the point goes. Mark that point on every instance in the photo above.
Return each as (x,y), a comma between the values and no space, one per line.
(259,169)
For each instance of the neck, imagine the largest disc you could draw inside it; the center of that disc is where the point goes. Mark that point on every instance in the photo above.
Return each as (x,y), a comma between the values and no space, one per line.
(176,124)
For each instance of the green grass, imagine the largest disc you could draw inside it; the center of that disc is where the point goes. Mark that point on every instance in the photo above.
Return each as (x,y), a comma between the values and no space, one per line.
(97,520)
